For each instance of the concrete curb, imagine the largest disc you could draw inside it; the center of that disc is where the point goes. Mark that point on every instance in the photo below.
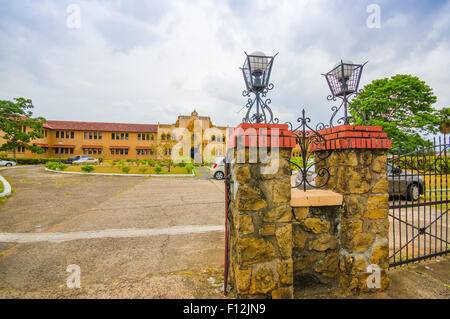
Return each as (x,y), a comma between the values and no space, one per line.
(6,187)
(114,174)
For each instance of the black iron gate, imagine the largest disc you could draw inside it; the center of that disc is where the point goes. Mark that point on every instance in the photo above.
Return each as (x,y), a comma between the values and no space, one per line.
(419,203)
(228,182)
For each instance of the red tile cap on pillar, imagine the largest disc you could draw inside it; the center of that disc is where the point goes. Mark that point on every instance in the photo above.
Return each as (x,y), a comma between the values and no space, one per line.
(353,137)
(261,135)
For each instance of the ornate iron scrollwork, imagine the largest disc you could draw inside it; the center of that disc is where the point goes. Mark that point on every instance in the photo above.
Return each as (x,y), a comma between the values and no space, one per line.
(306,137)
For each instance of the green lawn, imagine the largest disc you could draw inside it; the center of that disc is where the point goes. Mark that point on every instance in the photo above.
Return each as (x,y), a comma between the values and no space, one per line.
(133,170)
(1,187)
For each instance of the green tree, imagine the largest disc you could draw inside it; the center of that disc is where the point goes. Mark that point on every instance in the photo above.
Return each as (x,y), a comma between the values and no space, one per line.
(403,106)
(14,117)
(444,125)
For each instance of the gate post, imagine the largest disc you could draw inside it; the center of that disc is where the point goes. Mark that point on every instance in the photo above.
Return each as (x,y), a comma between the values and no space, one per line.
(358,166)
(260,215)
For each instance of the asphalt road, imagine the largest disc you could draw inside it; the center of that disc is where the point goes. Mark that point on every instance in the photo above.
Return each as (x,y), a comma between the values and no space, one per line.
(130,236)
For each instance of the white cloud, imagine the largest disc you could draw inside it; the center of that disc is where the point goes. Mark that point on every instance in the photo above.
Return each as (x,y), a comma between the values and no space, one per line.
(147,62)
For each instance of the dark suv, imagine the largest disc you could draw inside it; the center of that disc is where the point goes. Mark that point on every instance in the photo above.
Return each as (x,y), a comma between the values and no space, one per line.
(404,184)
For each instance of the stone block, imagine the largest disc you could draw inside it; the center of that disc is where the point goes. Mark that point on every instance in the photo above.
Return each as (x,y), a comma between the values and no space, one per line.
(254,250)
(379,164)
(328,266)
(355,206)
(381,187)
(380,255)
(380,227)
(249,199)
(283,293)
(343,158)
(244,224)
(351,180)
(300,239)
(285,272)
(315,225)
(377,207)
(284,240)
(242,174)
(300,212)
(267,230)
(365,158)
(262,281)
(361,242)
(324,242)
(281,192)
(280,214)
(243,279)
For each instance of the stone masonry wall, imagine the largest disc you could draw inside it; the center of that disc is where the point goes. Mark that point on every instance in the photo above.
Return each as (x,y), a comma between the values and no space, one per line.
(316,248)
(360,176)
(261,263)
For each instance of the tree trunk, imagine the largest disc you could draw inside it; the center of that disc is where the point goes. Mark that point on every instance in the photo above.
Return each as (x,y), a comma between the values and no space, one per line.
(14,154)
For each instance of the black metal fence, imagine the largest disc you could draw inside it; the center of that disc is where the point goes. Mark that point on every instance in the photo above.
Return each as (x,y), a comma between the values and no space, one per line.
(228,183)
(419,202)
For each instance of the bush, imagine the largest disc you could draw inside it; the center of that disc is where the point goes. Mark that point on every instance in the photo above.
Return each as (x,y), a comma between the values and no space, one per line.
(143,170)
(151,162)
(3,155)
(87,168)
(100,160)
(158,169)
(51,165)
(189,168)
(126,169)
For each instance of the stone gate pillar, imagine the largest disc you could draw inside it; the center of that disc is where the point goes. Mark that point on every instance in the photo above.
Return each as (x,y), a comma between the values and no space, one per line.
(260,213)
(358,166)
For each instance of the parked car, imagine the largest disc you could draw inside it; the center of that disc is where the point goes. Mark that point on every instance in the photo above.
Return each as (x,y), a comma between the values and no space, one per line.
(86,160)
(76,158)
(403,184)
(218,168)
(7,163)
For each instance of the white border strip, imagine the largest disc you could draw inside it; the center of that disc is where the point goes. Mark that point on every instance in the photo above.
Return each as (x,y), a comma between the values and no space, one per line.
(6,187)
(107,233)
(114,174)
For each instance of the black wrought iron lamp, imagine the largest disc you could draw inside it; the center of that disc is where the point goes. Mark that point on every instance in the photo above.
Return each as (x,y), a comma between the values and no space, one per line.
(256,70)
(343,81)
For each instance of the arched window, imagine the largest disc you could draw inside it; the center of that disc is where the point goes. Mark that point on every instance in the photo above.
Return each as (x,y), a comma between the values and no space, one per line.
(213,138)
(163,137)
(168,137)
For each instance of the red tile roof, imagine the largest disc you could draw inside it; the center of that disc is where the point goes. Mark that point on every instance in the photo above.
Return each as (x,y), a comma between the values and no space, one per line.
(101,126)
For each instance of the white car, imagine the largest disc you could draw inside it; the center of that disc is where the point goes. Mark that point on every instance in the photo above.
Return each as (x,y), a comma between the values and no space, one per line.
(218,168)
(7,163)
(86,160)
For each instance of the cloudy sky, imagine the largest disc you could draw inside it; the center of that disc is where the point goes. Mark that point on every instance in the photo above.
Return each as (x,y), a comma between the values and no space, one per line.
(148,61)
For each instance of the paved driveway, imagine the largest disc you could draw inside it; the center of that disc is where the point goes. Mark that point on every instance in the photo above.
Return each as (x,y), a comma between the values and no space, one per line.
(130,236)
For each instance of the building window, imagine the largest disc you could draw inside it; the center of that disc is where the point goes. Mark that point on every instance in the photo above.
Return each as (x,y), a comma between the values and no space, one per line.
(95,135)
(72,135)
(163,137)
(113,136)
(151,152)
(117,136)
(99,135)
(152,137)
(57,134)
(126,136)
(139,137)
